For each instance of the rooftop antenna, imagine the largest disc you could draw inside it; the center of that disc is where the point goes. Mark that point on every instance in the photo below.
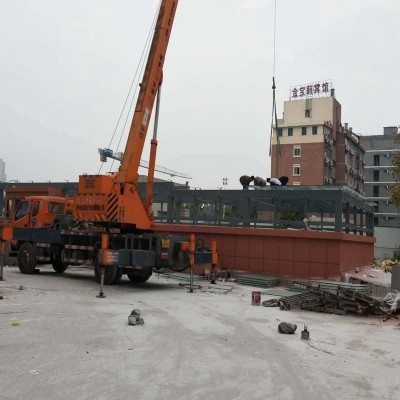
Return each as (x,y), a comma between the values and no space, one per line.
(274,113)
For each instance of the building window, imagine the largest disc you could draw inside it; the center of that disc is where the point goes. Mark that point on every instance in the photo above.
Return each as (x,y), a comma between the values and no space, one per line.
(308,114)
(376,221)
(376,191)
(376,160)
(304,130)
(290,131)
(280,130)
(296,151)
(296,169)
(315,130)
(376,176)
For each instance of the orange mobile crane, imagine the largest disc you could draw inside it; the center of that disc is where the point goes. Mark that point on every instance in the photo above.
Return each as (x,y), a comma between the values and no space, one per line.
(116,199)
(110,226)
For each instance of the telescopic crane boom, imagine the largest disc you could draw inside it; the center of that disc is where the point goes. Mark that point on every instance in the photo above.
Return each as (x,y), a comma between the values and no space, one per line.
(114,199)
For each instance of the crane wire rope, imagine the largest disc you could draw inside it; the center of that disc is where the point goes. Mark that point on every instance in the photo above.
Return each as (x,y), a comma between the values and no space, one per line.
(274,117)
(140,67)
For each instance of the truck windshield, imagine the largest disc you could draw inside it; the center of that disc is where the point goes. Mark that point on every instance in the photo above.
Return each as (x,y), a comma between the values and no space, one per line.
(22,210)
(56,208)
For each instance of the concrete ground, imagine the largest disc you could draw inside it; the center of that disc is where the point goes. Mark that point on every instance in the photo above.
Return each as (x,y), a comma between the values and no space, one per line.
(58,341)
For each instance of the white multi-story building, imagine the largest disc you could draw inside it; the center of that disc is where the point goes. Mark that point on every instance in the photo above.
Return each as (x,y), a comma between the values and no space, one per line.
(379,153)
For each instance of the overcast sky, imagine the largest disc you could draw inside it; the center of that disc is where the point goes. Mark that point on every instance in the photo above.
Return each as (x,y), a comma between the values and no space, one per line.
(66,67)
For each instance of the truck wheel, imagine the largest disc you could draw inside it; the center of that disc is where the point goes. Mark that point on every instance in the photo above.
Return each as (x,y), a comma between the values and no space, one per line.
(56,260)
(26,258)
(110,273)
(139,275)
(119,275)
(59,266)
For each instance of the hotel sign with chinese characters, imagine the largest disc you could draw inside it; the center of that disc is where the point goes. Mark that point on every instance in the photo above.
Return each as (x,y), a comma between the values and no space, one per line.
(315,89)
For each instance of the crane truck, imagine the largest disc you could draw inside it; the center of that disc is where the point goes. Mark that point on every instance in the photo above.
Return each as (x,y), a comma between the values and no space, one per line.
(107,224)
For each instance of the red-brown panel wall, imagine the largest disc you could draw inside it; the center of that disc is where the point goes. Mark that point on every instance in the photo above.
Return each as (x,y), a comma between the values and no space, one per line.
(285,253)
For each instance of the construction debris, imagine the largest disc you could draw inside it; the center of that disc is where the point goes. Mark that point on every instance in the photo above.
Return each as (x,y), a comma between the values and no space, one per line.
(287,328)
(179,276)
(338,300)
(134,318)
(305,334)
(209,288)
(255,298)
(326,285)
(392,302)
(333,297)
(388,263)
(271,303)
(299,301)
(261,281)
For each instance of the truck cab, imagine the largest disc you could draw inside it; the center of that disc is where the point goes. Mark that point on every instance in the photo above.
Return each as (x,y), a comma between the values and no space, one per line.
(40,211)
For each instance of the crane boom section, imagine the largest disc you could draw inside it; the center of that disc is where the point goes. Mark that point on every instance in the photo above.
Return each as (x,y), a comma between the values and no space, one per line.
(114,200)
(152,78)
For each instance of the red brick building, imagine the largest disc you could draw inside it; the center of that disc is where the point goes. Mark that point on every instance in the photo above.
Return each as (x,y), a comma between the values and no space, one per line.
(314,148)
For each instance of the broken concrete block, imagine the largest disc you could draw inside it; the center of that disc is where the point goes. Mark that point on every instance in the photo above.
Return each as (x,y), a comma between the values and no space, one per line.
(287,328)
(134,318)
(135,312)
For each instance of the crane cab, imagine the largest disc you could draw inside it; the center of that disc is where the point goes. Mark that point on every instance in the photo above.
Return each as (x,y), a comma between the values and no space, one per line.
(40,211)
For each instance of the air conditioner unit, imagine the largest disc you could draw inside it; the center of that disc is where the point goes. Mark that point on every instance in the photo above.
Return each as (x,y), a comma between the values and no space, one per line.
(387,218)
(387,202)
(387,155)
(331,163)
(330,180)
(327,160)
(387,186)
(331,142)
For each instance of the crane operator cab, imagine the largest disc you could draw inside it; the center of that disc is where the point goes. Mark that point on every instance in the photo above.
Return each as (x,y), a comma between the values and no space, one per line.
(40,211)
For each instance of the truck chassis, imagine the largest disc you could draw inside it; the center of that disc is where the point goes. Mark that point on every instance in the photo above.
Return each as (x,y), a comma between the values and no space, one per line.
(114,254)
